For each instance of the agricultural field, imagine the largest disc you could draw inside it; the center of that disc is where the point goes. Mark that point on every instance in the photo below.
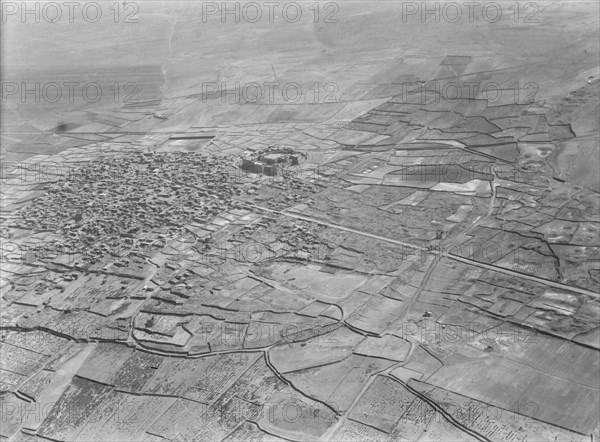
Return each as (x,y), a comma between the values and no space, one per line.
(358,221)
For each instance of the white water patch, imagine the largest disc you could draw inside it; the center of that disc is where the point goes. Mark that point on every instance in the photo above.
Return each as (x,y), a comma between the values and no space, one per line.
(165,64)
(470,188)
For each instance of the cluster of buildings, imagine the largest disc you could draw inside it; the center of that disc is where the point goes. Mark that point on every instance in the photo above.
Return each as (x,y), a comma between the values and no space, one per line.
(135,203)
(116,204)
(272,161)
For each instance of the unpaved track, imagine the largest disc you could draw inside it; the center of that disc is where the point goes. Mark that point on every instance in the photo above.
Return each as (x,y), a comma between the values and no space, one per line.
(506,271)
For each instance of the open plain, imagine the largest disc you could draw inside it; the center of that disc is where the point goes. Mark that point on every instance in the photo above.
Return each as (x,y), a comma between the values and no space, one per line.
(330,221)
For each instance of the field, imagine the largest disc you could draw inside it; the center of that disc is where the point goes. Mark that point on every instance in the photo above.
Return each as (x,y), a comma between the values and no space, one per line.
(332,221)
